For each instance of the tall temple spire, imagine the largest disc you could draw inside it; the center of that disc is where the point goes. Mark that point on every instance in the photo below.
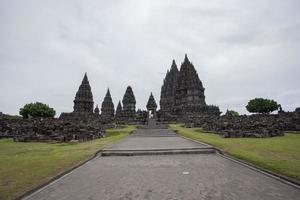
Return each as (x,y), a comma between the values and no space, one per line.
(107,107)
(167,97)
(83,101)
(186,59)
(189,89)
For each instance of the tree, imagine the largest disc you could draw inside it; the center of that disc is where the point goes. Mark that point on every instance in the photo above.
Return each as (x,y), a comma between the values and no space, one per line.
(232,113)
(260,105)
(36,110)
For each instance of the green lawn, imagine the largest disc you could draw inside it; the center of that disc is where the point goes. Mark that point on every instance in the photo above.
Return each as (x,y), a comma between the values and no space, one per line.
(24,166)
(278,154)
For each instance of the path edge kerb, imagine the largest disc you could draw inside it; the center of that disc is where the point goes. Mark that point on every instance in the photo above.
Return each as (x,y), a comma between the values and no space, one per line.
(63,173)
(285,179)
(56,177)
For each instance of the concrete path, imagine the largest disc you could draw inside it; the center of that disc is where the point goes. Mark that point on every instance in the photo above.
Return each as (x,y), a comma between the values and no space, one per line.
(159,177)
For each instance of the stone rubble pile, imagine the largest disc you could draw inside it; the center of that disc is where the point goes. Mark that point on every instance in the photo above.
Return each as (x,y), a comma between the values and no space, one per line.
(49,130)
(247,125)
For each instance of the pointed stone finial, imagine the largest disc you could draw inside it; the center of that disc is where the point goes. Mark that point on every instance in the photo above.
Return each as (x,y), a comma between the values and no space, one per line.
(174,66)
(108,93)
(173,62)
(85,78)
(186,59)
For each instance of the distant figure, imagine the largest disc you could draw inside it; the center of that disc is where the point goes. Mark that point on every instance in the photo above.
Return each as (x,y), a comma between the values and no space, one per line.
(151,114)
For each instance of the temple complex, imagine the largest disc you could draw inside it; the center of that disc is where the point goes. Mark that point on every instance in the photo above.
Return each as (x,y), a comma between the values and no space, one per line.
(107,108)
(129,105)
(182,100)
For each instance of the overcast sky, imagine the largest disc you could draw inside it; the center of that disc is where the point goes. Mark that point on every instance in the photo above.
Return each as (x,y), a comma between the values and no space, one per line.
(241,49)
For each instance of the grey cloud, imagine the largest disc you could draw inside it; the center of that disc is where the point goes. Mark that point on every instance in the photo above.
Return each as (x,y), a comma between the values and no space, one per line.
(241,49)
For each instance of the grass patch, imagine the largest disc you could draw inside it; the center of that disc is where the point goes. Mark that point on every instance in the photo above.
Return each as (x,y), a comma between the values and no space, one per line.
(278,154)
(24,166)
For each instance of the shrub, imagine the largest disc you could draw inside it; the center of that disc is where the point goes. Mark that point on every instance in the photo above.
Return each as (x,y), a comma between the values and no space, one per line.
(37,110)
(232,113)
(260,105)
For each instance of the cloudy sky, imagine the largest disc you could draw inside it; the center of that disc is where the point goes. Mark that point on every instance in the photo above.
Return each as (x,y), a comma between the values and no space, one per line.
(241,49)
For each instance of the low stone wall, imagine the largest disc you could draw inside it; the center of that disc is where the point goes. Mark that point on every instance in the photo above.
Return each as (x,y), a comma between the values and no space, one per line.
(49,130)
(247,125)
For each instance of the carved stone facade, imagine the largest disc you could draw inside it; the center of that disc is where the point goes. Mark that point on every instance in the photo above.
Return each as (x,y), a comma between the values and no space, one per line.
(189,89)
(168,90)
(129,102)
(182,93)
(107,108)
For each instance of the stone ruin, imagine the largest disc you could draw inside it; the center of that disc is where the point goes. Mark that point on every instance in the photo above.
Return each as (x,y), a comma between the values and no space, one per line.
(49,130)
(182,94)
(257,125)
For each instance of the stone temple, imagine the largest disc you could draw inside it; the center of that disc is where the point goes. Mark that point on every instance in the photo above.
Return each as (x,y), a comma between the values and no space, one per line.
(182,96)
(119,113)
(107,108)
(83,103)
(182,93)
(151,106)
(129,105)
(84,98)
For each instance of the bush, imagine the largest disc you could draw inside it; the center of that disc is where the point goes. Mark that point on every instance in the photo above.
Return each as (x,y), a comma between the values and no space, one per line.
(232,113)
(37,110)
(260,105)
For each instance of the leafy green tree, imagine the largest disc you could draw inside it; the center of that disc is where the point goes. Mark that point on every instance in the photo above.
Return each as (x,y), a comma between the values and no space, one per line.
(232,113)
(261,105)
(37,110)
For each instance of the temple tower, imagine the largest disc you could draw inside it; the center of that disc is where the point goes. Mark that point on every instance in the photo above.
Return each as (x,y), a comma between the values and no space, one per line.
(107,107)
(168,90)
(83,102)
(189,89)
(129,105)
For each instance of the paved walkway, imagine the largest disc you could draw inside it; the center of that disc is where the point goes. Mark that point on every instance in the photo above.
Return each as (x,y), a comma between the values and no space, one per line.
(159,177)
(152,139)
